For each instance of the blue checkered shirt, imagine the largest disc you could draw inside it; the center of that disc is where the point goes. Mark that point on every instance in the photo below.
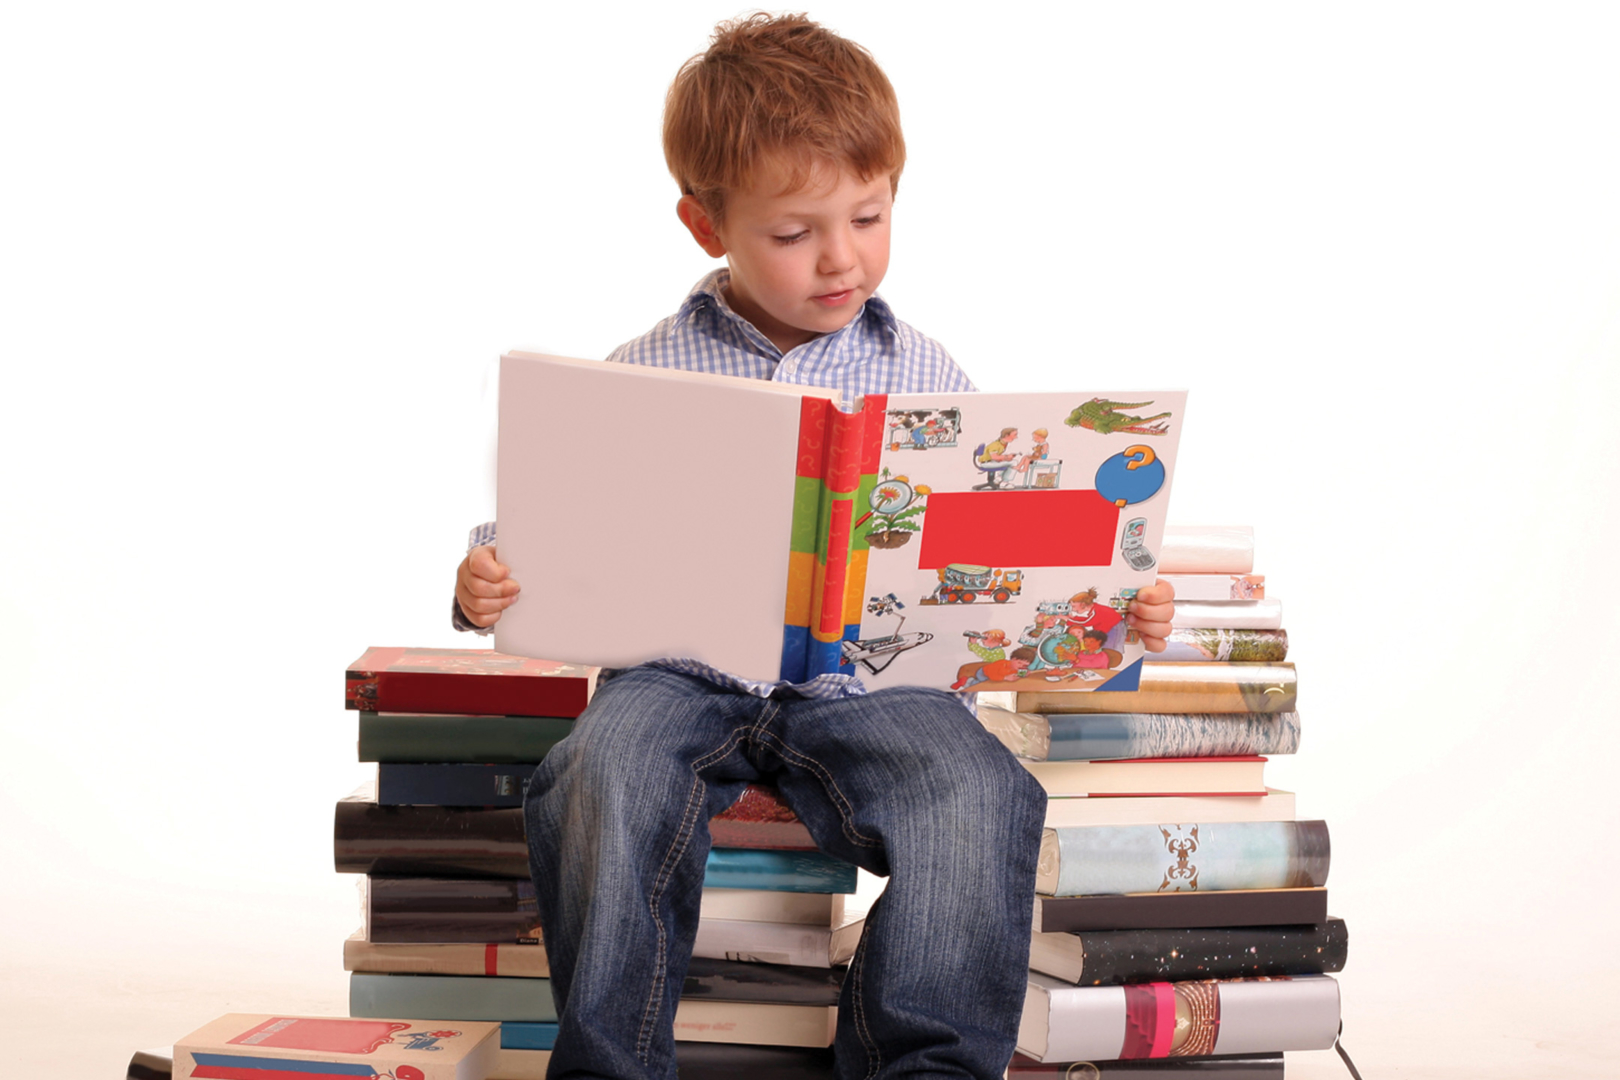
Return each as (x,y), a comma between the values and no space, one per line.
(874,353)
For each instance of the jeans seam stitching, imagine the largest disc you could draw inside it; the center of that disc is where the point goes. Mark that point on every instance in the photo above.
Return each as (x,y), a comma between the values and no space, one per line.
(684,834)
(857,998)
(839,799)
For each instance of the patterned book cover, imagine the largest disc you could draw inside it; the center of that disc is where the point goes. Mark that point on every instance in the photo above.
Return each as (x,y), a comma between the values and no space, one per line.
(1184,688)
(1209,857)
(465,681)
(1114,957)
(455,737)
(1196,645)
(1225,1067)
(1149,911)
(266,1047)
(760,819)
(1181,1019)
(1100,736)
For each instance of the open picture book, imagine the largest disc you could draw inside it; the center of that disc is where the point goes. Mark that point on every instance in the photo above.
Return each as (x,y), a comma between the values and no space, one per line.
(950,540)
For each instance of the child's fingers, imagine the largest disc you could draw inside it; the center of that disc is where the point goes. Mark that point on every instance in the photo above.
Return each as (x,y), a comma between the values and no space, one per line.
(1152,631)
(1152,612)
(481,561)
(1160,592)
(486,589)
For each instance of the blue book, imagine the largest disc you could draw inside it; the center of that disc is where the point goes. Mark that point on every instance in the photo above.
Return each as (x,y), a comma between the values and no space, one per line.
(524,1035)
(450,997)
(1093,860)
(779,871)
(452,784)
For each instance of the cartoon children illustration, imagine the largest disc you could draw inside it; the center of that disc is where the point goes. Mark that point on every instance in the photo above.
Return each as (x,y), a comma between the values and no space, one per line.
(1036,453)
(991,647)
(996,450)
(1086,614)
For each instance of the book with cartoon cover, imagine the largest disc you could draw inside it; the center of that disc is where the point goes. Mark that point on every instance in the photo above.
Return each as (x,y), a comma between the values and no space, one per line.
(958,541)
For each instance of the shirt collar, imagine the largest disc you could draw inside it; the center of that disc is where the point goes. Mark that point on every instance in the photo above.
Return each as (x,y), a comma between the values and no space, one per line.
(709,295)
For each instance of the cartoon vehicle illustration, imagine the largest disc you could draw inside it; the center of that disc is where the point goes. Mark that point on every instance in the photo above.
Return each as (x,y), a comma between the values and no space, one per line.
(877,653)
(963,583)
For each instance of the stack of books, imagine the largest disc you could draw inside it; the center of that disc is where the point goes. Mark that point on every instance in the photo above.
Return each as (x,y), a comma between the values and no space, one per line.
(451,928)
(1181,908)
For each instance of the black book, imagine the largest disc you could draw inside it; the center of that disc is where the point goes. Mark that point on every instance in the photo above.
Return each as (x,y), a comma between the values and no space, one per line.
(777,984)
(1152,911)
(1113,957)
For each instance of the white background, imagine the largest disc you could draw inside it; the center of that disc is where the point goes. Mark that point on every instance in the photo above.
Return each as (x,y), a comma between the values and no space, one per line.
(257,260)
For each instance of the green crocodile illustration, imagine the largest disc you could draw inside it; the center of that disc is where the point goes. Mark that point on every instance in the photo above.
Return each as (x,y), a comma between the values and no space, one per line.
(1099,416)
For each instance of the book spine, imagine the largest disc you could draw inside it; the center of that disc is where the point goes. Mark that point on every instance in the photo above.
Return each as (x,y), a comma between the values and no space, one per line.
(1184,688)
(450,997)
(1188,1019)
(776,943)
(834,533)
(1113,957)
(1264,907)
(1224,1067)
(478,910)
(808,482)
(526,961)
(787,871)
(459,692)
(779,984)
(1202,645)
(1101,736)
(1217,586)
(730,1061)
(1209,549)
(410,738)
(529,1035)
(1228,614)
(452,784)
(1114,859)
(753,1022)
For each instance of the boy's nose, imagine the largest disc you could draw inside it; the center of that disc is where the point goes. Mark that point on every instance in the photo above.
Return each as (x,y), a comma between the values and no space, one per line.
(837,254)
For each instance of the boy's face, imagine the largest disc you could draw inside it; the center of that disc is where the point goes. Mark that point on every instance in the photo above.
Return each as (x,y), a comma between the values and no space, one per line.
(802,263)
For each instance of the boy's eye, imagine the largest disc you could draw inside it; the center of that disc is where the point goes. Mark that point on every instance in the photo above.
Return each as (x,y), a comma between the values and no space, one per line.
(793,239)
(873,220)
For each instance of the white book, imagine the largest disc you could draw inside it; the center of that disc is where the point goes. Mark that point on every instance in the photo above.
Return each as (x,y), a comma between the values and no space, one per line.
(1274,805)
(755,1023)
(778,943)
(1227,615)
(773,906)
(1207,549)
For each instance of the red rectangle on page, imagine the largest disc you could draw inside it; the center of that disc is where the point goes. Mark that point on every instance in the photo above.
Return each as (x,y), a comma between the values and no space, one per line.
(1018,529)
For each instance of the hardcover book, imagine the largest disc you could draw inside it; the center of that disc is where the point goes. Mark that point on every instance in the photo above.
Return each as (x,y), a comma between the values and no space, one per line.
(779,984)
(1193,645)
(1152,776)
(1224,1067)
(1062,810)
(465,681)
(1207,549)
(760,819)
(1148,911)
(1183,1019)
(452,784)
(1185,688)
(752,1022)
(1192,857)
(920,539)
(1217,586)
(450,997)
(1114,957)
(1099,736)
(1228,614)
(514,959)
(267,1047)
(459,737)
(779,943)
(470,841)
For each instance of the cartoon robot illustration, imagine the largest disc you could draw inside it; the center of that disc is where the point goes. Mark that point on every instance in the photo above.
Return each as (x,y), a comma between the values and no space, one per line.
(963,583)
(875,654)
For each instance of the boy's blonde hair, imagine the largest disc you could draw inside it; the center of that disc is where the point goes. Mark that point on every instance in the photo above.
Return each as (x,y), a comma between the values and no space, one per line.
(778,90)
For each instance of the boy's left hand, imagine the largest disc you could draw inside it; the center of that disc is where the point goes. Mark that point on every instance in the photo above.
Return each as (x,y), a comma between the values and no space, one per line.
(1150,614)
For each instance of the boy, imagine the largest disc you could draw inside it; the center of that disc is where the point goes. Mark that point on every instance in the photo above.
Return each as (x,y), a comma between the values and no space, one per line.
(785,141)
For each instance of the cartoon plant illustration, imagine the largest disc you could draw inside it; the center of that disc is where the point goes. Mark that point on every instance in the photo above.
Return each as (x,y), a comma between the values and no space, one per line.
(895,506)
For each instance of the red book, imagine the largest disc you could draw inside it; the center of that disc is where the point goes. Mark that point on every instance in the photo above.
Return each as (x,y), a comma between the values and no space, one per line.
(466,681)
(760,820)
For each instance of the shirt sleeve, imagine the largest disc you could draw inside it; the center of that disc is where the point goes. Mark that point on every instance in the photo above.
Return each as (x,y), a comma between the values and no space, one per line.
(482,536)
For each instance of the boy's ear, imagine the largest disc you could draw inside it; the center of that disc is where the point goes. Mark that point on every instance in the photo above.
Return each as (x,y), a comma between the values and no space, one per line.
(700,225)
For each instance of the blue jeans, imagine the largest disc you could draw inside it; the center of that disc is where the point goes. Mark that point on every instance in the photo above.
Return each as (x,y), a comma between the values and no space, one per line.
(903,782)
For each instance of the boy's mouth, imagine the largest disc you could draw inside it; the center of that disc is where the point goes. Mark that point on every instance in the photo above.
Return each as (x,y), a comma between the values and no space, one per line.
(834,299)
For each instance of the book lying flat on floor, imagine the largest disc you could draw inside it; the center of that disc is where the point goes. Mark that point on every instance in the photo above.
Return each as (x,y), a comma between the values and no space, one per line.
(1113,957)
(1191,857)
(1238,907)
(267,1047)
(1182,1019)
(393,679)
(921,539)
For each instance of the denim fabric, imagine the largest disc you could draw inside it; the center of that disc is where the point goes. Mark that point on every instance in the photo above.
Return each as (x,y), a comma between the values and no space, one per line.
(903,782)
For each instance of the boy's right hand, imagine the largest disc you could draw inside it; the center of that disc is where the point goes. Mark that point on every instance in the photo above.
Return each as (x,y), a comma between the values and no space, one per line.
(484,587)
